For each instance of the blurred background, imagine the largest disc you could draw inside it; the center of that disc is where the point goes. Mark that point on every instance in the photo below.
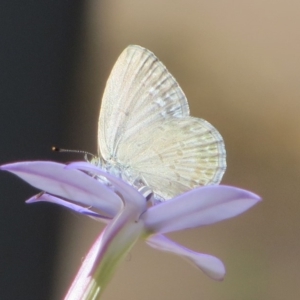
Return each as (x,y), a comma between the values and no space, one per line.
(238,63)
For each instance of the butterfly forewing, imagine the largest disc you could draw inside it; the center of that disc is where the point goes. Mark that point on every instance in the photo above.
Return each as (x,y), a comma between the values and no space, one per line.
(139,93)
(145,128)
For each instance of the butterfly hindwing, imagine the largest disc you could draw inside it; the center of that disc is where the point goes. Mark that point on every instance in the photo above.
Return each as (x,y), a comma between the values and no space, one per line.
(176,156)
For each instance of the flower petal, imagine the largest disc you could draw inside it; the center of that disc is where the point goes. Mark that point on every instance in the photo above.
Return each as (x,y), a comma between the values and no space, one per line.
(117,239)
(129,193)
(84,284)
(210,265)
(69,184)
(44,197)
(198,207)
(110,248)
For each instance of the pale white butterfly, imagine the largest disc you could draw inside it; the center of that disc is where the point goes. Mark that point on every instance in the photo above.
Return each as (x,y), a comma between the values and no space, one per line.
(146,135)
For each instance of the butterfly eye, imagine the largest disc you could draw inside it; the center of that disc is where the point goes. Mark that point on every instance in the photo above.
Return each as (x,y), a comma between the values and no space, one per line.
(147,192)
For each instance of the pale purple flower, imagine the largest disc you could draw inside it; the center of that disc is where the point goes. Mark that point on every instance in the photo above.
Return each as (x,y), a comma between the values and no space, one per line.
(128,216)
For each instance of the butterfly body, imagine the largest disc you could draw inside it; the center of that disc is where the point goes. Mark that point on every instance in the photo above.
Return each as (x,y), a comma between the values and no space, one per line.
(146,135)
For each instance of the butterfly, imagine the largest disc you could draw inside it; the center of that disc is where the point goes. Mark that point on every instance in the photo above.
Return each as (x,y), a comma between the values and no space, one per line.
(146,135)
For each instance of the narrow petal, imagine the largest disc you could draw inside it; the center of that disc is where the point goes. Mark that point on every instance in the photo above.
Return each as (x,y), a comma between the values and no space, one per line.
(198,207)
(69,184)
(44,197)
(85,286)
(117,239)
(129,193)
(210,265)
(109,249)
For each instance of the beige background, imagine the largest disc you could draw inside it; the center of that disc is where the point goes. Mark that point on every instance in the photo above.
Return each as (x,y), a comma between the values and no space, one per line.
(239,64)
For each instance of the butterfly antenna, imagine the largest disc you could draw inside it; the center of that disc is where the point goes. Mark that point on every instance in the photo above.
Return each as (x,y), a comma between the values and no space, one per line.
(56,149)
